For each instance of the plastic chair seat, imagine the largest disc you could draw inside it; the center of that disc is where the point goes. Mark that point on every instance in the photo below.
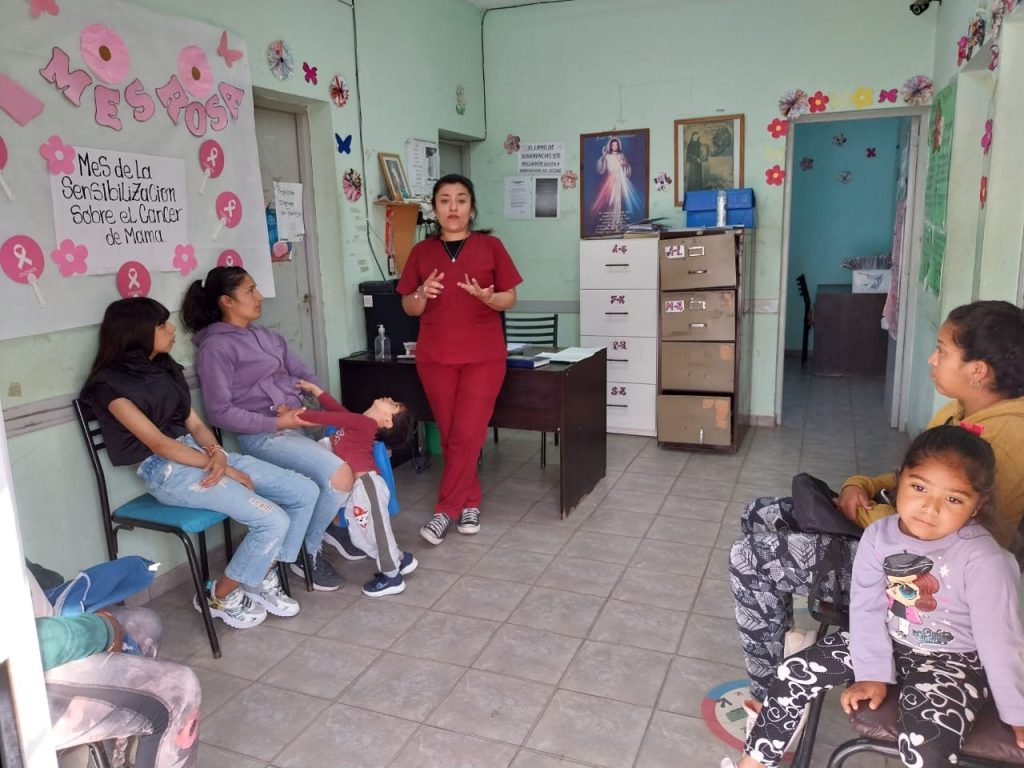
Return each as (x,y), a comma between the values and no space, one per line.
(147,509)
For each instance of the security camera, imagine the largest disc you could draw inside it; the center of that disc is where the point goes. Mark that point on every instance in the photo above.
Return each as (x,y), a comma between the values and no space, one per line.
(919,7)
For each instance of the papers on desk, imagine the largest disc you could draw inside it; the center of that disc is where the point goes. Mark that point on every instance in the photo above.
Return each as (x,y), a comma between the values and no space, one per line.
(570,354)
(512,347)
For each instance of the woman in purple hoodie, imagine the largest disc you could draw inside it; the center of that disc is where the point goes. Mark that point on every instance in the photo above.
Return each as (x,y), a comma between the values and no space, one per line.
(246,371)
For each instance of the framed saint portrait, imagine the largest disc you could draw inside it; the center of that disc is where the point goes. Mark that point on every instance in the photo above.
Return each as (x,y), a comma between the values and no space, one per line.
(709,154)
(394,176)
(614,181)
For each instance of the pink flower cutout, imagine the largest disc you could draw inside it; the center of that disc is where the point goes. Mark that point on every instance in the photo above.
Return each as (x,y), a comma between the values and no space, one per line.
(986,138)
(774,176)
(995,59)
(511,143)
(60,157)
(352,184)
(569,179)
(778,128)
(184,259)
(818,102)
(70,258)
(961,50)
(38,7)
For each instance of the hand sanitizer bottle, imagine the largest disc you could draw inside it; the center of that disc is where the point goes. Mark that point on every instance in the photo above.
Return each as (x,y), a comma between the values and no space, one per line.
(381,345)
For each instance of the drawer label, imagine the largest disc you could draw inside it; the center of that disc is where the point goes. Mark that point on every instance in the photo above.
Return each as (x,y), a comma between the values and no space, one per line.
(619,248)
(618,391)
(616,299)
(674,252)
(619,344)
(675,305)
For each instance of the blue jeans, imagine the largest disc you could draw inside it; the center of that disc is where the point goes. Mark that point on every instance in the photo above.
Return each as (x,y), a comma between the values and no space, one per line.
(292,449)
(277,513)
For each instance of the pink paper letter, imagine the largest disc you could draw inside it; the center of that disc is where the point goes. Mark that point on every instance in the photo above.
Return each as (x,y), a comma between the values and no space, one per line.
(232,96)
(195,119)
(172,96)
(107,101)
(217,114)
(140,101)
(59,73)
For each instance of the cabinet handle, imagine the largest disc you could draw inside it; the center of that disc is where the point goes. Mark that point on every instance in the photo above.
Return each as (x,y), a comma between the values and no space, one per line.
(618,405)
(696,272)
(698,325)
(695,250)
(616,313)
(617,265)
(698,304)
(618,359)
(701,437)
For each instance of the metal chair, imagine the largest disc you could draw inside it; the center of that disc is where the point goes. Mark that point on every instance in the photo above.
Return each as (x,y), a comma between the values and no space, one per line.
(146,512)
(801,282)
(536,330)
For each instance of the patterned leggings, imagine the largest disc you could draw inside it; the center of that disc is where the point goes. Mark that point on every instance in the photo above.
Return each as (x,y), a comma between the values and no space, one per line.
(940,694)
(112,696)
(770,563)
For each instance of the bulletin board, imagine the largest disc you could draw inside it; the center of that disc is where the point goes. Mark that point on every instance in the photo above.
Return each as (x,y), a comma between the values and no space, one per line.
(128,149)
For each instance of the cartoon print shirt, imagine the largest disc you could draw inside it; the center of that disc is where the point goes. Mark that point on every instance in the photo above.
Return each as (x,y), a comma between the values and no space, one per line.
(956,594)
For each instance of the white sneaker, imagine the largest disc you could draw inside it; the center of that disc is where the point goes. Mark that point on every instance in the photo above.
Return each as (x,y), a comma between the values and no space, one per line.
(469,521)
(726,763)
(271,595)
(235,609)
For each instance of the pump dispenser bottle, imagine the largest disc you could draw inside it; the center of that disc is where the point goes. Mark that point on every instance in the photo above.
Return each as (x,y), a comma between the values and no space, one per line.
(381,345)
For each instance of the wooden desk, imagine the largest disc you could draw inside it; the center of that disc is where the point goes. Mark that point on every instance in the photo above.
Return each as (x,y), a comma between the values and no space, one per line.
(848,336)
(565,397)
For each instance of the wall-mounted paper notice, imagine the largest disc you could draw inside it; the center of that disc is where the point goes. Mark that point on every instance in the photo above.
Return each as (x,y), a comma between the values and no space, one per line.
(423,163)
(531,197)
(542,159)
(288,202)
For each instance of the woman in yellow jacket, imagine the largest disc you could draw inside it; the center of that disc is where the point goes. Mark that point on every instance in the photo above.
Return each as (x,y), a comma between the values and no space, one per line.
(979,362)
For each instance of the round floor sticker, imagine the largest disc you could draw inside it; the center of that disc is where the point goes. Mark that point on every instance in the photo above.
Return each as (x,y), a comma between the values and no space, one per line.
(722,710)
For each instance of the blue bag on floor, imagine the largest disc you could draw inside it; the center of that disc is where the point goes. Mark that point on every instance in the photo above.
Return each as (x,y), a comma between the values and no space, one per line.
(102,585)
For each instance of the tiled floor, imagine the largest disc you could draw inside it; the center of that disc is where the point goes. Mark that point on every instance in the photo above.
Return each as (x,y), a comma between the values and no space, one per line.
(539,642)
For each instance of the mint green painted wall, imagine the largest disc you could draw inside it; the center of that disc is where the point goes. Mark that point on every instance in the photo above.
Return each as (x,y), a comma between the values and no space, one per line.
(555,71)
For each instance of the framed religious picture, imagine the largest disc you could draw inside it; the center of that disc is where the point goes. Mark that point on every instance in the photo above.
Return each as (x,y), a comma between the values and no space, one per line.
(394,176)
(709,154)
(614,181)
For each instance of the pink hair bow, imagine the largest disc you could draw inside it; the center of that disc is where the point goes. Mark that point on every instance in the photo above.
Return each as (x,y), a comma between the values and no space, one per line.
(977,429)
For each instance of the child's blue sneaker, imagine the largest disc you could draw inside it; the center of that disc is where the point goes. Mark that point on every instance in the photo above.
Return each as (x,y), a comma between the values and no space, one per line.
(408,564)
(382,585)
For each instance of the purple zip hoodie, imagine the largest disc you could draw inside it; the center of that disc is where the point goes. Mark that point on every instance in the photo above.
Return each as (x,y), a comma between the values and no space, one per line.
(245,373)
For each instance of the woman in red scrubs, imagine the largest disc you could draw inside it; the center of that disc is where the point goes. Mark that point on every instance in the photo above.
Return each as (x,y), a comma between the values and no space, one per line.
(458,282)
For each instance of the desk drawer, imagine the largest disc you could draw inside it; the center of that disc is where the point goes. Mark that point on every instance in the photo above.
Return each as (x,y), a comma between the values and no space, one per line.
(708,261)
(700,366)
(631,406)
(618,313)
(622,263)
(694,420)
(698,316)
(630,358)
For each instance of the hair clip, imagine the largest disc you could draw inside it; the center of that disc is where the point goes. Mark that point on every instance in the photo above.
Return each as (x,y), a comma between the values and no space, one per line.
(976,429)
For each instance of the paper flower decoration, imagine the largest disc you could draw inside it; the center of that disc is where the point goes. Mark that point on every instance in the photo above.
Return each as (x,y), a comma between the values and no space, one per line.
(70,258)
(184,259)
(983,192)
(352,184)
(280,61)
(38,7)
(845,177)
(917,91)
(569,179)
(818,102)
(997,10)
(887,95)
(995,59)
(460,99)
(976,33)
(871,152)
(511,144)
(105,53)
(806,163)
(774,176)
(194,71)
(839,139)
(60,157)
(961,50)
(793,104)
(339,91)
(310,72)
(778,128)
(986,137)
(862,97)
(662,181)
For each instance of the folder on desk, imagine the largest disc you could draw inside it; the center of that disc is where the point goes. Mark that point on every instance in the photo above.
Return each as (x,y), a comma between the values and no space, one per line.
(526,361)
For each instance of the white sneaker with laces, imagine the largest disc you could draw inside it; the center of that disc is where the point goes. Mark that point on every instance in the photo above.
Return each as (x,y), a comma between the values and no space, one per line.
(271,595)
(469,521)
(235,609)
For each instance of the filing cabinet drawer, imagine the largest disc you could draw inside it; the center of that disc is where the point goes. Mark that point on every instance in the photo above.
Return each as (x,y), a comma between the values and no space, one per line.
(708,261)
(622,263)
(698,316)
(700,366)
(630,407)
(619,312)
(695,420)
(630,358)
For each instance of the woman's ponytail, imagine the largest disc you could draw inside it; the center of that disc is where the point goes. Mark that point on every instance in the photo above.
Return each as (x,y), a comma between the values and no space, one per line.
(201,305)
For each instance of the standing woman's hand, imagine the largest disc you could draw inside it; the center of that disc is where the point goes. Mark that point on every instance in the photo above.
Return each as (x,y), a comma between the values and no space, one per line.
(472,287)
(432,286)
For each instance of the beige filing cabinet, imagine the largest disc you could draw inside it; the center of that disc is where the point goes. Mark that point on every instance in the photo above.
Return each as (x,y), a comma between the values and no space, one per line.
(705,327)
(619,311)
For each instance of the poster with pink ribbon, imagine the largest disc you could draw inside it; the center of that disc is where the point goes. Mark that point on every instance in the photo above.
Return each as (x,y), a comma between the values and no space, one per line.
(123,127)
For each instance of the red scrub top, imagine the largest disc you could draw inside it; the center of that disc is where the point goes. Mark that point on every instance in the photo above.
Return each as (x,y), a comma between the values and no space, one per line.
(456,327)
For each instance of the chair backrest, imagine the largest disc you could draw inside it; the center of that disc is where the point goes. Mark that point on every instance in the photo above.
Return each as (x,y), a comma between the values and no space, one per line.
(801,283)
(539,330)
(90,429)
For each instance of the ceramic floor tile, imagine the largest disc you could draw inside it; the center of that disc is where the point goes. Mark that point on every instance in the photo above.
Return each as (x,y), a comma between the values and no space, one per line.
(529,654)
(632,501)
(690,680)
(403,687)
(316,609)
(590,729)
(670,735)
(617,672)
(424,587)
(212,757)
(661,463)
(557,611)
(545,539)
(373,623)
(185,634)
(529,759)
(615,521)
(640,626)
(632,481)
(433,747)
(664,590)
(357,737)
(456,554)
(712,639)
(606,547)
(492,706)
(305,669)
(670,557)
(699,487)
(714,598)
(217,688)
(247,653)
(693,508)
(482,598)
(511,565)
(443,637)
(588,577)
(695,532)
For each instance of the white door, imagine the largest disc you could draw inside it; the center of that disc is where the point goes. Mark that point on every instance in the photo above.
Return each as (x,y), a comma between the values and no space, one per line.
(282,140)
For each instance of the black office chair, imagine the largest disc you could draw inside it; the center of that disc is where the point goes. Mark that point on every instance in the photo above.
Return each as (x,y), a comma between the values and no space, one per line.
(146,512)
(538,331)
(801,282)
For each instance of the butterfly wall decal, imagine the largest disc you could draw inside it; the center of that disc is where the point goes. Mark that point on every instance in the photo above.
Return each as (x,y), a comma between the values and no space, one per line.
(872,152)
(344,145)
(884,96)
(230,55)
(310,72)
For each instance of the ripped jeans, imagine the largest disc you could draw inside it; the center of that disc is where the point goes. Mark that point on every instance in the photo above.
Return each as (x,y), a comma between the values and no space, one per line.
(277,513)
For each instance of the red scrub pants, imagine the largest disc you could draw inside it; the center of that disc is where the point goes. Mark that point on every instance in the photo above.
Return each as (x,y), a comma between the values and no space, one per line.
(462,399)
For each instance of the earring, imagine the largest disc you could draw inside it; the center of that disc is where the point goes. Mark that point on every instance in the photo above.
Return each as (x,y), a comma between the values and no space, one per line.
(975,384)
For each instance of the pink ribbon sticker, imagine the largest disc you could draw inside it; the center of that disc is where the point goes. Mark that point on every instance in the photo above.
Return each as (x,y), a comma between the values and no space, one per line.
(229,258)
(3,164)
(22,260)
(211,160)
(133,280)
(229,212)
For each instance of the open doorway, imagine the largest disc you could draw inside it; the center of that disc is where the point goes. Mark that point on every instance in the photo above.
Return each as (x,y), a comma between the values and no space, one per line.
(853,193)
